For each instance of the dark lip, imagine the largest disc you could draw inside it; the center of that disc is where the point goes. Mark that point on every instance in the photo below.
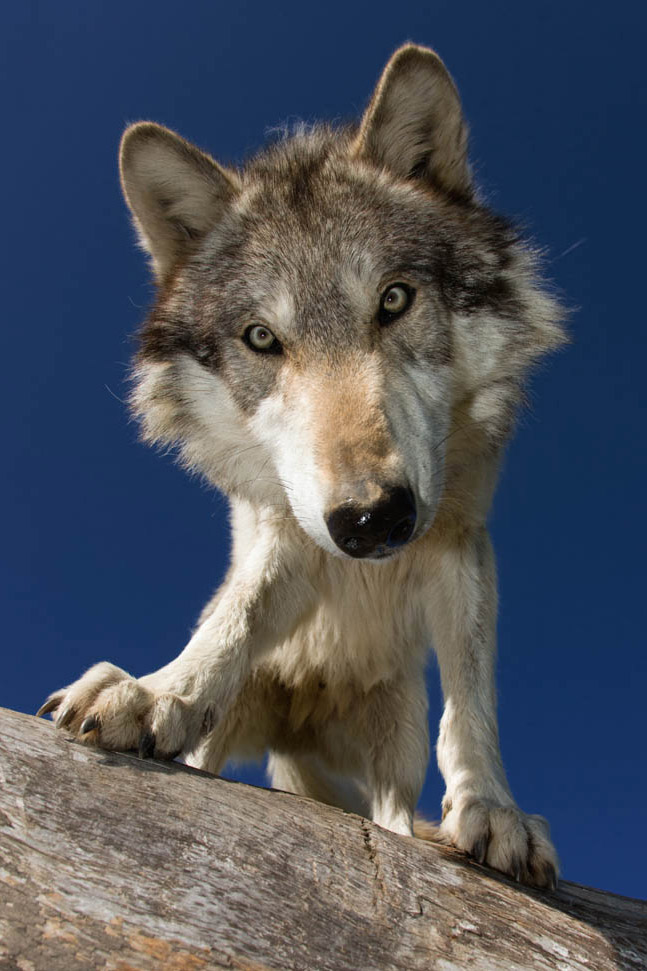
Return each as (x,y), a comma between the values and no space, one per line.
(385,553)
(378,557)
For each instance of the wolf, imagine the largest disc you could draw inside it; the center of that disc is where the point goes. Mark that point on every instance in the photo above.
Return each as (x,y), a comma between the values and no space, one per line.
(339,343)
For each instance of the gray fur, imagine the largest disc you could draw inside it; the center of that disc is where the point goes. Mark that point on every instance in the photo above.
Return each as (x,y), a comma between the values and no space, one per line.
(303,651)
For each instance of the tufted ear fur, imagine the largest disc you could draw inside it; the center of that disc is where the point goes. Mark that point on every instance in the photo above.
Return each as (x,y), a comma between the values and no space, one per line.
(175,192)
(414,125)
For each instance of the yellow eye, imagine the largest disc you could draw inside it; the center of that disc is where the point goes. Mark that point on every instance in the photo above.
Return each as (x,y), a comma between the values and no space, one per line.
(395,301)
(261,338)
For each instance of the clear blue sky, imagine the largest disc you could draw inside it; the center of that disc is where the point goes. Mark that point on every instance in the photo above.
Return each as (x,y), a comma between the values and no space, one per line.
(109,551)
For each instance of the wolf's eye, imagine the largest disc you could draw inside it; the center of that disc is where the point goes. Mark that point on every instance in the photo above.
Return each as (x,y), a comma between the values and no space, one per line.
(261,338)
(394,302)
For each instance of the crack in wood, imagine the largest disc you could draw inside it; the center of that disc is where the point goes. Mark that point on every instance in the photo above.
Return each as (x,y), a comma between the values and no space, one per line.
(381,892)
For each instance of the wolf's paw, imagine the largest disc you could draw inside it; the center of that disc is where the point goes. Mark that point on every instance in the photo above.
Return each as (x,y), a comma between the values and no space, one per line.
(109,708)
(504,838)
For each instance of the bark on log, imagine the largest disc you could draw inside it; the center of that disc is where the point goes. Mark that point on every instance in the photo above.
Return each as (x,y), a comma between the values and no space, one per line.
(112,862)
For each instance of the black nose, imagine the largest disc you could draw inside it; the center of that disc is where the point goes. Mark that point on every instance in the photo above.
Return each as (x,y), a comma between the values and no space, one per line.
(374,530)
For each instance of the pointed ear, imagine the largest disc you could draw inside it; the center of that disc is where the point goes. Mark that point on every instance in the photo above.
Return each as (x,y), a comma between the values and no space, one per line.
(414,125)
(175,192)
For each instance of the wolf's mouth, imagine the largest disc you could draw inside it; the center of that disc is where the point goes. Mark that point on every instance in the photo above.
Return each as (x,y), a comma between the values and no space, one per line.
(384,554)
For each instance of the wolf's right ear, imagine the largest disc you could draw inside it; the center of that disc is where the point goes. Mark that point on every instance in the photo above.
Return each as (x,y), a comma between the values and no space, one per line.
(175,192)
(414,125)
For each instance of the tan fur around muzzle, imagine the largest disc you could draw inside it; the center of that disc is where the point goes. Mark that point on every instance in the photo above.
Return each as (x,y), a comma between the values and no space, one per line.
(353,446)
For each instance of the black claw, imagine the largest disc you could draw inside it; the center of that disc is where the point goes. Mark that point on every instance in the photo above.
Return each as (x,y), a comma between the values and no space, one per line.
(544,875)
(65,717)
(479,850)
(147,746)
(516,869)
(51,704)
(89,724)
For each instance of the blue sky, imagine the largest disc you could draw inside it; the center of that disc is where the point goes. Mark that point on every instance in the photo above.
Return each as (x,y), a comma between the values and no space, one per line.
(110,551)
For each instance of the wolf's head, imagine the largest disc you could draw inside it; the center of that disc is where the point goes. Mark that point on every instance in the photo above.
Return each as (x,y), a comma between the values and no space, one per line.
(329,316)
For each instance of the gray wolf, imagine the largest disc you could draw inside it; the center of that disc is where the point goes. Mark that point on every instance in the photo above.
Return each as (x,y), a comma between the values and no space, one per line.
(339,343)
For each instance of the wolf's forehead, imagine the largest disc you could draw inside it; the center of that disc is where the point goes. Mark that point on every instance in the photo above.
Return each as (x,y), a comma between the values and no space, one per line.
(305,237)
(311,292)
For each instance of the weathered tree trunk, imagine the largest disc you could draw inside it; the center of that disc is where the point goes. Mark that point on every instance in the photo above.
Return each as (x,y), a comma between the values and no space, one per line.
(112,862)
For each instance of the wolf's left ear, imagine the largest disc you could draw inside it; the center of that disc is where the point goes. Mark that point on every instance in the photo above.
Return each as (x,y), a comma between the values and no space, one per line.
(414,125)
(175,192)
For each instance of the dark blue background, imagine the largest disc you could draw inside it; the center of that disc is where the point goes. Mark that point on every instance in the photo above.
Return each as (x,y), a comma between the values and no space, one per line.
(110,551)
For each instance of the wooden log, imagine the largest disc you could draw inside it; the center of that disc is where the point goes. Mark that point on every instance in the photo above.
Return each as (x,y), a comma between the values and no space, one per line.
(113,862)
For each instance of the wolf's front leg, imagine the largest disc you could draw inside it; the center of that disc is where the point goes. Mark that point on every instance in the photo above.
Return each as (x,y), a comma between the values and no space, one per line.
(479,811)
(393,726)
(165,713)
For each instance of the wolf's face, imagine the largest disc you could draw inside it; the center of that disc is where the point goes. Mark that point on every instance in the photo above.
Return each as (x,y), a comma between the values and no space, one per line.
(323,313)
(333,344)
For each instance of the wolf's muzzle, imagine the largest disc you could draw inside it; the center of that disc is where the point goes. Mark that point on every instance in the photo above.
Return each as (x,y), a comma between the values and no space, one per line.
(374,531)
